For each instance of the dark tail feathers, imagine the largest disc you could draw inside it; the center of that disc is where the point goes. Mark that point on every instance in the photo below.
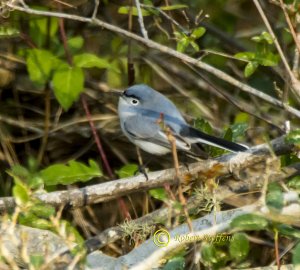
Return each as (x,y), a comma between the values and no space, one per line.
(202,137)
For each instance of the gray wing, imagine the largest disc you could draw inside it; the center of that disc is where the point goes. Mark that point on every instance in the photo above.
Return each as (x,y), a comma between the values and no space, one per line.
(144,128)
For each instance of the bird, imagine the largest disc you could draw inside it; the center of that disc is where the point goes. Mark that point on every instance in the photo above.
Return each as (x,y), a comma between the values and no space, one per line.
(143,114)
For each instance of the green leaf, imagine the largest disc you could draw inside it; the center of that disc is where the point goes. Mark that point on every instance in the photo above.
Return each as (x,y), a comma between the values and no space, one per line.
(288,230)
(238,130)
(88,60)
(294,182)
(203,125)
(42,210)
(8,31)
(250,68)
(159,194)
(39,65)
(268,59)
(274,197)
(264,37)
(75,43)
(239,247)
(249,56)
(40,27)
(175,263)
(198,32)
(296,257)
(68,85)
(37,261)
(31,220)
(127,170)
(19,171)
(293,137)
(195,46)
(249,222)
(182,44)
(173,7)
(134,11)
(72,173)
(20,192)
(213,256)
(241,117)
(209,253)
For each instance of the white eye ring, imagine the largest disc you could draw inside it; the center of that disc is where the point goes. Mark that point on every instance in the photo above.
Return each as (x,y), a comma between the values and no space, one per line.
(134,101)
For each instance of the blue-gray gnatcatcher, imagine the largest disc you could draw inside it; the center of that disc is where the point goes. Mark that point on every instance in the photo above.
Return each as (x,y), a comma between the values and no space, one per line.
(140,108)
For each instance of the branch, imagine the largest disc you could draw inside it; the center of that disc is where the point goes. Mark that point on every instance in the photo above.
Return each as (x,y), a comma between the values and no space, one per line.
(148,255)
(113,189)
(164,49)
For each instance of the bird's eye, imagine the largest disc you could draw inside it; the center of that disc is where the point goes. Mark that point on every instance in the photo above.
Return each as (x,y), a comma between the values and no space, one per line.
(134,101)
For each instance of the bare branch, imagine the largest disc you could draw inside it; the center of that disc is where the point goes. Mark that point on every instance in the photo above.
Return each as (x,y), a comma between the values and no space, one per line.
(113,189)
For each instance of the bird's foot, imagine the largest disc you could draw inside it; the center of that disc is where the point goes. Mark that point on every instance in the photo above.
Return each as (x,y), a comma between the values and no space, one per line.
(142,170)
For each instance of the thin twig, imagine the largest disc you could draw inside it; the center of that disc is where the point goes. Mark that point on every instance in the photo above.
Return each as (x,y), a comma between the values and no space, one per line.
(97,139)
(294,81)
(288,20)
(141,20)
(95,9)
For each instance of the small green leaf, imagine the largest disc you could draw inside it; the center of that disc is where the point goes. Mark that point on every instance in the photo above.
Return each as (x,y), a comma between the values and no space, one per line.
(238,130)
(173,7)
(195,46)
(31,220)
(213,256)
(175,263)
(250,68)
(264,37)
(39,65)
(249,222)
(20,192)
(274,197)
(72,173)
(293,137)
(127,170)
(203,125)
(42,210)
(294,182)
(182,44)
(288,230)
(68,85)
(249,56)
(8,31)
(88,60)
(198,32)
(268,59)
(37,261)
(159,194)
(296,257)
(239,247)
(19,171)
(209,253)
(241,117)
(134,11)
(75,43)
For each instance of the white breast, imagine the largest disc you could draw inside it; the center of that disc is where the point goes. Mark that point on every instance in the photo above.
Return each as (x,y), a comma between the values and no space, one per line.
(152,148)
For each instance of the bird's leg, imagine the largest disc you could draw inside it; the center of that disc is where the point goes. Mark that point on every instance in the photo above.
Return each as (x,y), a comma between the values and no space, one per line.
(142,166)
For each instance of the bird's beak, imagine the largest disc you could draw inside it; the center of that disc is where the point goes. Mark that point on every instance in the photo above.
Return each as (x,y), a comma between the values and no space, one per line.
(116,93)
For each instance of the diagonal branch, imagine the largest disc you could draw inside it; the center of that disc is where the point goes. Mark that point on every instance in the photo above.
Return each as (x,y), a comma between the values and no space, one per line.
(164,49)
